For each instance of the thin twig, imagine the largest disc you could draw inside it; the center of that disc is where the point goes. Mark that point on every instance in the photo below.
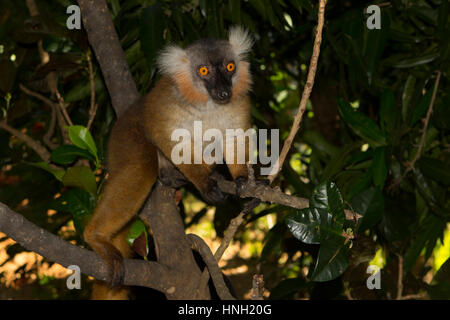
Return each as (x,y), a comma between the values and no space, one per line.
(425,126)
(228,237)
(414,296)
(411,164)
(33,144)
(400,278)
(39,96)
(62,106)
(93,107)
(61,122)
(305,95)
(51,129)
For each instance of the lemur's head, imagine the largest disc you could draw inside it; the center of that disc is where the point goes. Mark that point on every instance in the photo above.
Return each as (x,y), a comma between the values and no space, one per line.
(213,69)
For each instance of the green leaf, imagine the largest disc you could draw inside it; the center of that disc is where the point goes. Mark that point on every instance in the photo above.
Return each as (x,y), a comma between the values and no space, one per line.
(287,288)
(415,61)
(318,142)
(212,15)
(305,224)
(387,110)
(429,231)
(273,241)
(82,90)
(375,44)
(362,125)
(435,169)
(443,274)
(369,204)
(152,25)
(332,260)
(441,290)
(235,9)
(441,114)
(379,167)
(340,160)
(421,108)
(361,184)
(327,196)
(82,138)
(408,92)
(58,173)
(68,153)
(79,203)
(136,229)
(81,177)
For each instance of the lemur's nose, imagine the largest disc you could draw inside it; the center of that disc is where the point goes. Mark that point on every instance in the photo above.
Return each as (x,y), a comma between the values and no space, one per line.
(223,95)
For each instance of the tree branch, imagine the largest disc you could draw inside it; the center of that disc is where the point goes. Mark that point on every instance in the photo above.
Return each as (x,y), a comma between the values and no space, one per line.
(266,193)
(33,144)
(172,247)
(93,107)
(55,108)
(51,129)
(31,237)
(202,248)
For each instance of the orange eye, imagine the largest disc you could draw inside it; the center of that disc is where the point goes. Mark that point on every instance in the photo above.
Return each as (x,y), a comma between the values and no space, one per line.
(230,67)
(203,71)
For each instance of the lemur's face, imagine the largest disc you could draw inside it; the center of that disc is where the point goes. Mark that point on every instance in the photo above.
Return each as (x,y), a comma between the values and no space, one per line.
(210,69)
(214,66)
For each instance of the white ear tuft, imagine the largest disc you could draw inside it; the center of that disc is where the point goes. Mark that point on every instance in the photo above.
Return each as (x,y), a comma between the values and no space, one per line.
(172,60)
(240,41)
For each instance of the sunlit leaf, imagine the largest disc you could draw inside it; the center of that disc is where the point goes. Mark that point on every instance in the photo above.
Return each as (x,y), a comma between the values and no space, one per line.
(82,138)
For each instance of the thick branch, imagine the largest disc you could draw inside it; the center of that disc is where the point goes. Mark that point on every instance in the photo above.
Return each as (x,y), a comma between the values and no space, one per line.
(172,248)
(105,42)
(31,237)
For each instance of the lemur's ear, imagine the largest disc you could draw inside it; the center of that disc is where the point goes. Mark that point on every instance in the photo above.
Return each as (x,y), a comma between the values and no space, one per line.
(172,60)
(240,41)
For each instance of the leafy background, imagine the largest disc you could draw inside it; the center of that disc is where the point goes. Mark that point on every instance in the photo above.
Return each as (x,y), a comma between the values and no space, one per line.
(362,127)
